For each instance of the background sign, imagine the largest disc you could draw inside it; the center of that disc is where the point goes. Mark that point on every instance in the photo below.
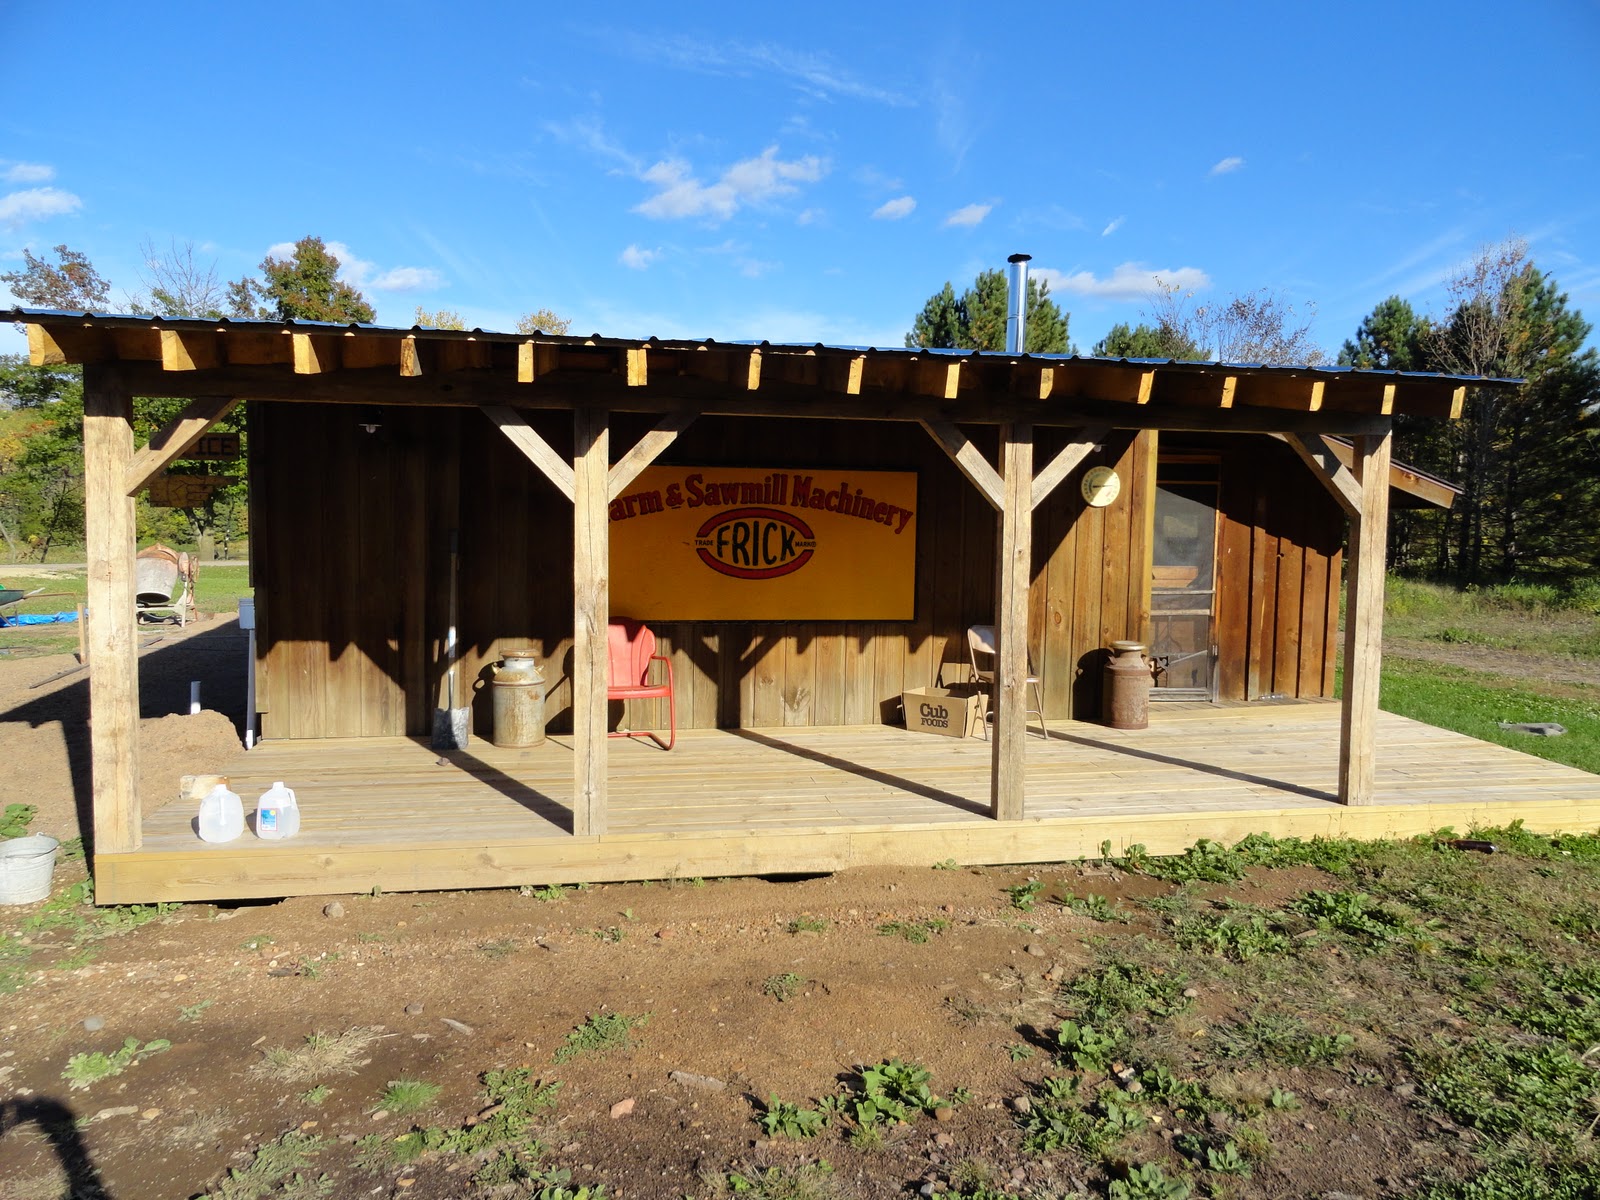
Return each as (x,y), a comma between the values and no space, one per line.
(741,544)
(185,491)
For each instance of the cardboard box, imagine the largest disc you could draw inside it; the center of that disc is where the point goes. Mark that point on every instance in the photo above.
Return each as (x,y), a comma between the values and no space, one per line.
(942,711)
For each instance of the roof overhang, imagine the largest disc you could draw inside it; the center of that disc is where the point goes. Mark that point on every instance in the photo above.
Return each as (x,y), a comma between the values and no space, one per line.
(366,364)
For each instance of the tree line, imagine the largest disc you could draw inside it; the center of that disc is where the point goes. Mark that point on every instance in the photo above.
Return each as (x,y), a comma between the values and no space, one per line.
(1527,460)
(41,408)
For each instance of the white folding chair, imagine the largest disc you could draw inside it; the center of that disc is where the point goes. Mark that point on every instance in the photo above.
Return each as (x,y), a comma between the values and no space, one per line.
(980,651)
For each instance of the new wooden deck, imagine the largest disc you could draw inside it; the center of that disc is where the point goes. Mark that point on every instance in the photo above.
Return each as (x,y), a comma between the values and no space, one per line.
(385,812)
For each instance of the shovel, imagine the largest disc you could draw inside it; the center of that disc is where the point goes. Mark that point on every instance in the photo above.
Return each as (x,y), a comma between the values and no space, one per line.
(450,722)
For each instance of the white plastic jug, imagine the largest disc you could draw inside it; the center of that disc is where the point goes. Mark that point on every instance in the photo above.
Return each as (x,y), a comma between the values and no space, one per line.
(277,814)
(221,815)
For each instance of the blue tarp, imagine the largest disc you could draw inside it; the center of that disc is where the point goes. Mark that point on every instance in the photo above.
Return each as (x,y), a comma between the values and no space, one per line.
(60,618)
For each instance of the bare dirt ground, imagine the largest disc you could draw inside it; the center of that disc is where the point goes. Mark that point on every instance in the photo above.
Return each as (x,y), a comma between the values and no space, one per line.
(288,1021)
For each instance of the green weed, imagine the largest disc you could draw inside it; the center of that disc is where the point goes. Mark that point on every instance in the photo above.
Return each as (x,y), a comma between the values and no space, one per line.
(783,987)
(191,1012)
(86,1069)
(1024,896)
(915,932)
(276,1168)
(803,1181)
(600,1034)
(782,1119)
(315,1096)
(14,821)
(1149,1181)
(1094,906)
(1228,936)
(1085,1047)
(807,925)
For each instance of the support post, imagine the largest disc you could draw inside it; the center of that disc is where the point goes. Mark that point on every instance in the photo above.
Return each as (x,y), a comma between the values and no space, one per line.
(1011,623)
(1363,621)
(591,602)
(112,641)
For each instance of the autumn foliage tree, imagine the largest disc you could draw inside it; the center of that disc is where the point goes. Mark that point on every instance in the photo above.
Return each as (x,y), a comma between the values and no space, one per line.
(305,286)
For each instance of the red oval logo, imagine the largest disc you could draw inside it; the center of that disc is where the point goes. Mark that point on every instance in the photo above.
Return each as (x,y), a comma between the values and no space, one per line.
(755,543)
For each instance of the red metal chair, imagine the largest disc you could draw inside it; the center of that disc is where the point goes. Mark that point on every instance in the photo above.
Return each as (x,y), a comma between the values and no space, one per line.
(630,649)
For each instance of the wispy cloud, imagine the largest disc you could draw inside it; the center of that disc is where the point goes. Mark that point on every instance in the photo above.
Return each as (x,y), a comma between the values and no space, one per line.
(809,216)
(405,279)
(1112,226)
(21,172)
(35,204)
(894,210)
(1130,281)
(968,216)
(588,133)
(638,258)
(1227,166)
(813,73)
(751,181)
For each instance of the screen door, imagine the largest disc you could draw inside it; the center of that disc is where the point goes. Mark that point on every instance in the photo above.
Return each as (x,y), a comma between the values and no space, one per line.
(1183,579)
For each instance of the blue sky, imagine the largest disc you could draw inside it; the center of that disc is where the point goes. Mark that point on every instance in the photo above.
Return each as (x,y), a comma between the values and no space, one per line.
(747,171)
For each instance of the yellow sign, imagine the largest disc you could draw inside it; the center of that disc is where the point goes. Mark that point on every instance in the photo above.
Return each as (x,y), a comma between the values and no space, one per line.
(740,544)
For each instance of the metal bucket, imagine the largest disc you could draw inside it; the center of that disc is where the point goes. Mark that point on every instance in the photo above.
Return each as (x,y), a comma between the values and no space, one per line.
(26,866)
(518,701)
(1127,687)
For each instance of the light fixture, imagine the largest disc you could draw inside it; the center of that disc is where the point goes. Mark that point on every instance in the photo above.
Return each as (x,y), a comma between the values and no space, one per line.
(370,419)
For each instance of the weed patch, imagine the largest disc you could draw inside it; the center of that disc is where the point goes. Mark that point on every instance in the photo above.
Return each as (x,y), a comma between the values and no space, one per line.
(321,1054)
(83,1070)
(600,1034)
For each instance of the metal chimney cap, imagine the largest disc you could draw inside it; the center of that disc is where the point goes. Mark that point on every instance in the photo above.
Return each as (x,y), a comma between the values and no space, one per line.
(1016,258)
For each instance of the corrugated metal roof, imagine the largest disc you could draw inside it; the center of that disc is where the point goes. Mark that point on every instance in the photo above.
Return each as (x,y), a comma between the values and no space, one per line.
(114,320)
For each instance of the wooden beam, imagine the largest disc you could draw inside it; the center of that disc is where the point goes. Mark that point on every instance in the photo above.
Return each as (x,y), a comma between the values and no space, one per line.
(1006,782)
(752,375)
(1080,444)
(315,354)
(713,398)
(189,350)
(1331,473)
(637,367)
(112,642)
(173,439)
(410,359)
(646,451)
(591,603)
(538,451)
(1401,477)
(1363,622)
(969,459)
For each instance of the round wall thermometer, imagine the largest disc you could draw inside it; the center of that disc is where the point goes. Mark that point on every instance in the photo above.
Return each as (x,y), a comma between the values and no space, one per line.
(1101,486)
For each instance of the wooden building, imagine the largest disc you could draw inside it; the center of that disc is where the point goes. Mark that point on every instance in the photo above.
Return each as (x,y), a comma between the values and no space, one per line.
(1225,497)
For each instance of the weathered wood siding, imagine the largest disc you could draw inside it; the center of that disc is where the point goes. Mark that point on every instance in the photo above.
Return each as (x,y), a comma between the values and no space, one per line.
(1279,567)
(351,545)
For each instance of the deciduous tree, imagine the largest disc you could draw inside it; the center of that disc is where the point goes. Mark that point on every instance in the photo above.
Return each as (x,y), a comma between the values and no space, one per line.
(305,286)
(70,283)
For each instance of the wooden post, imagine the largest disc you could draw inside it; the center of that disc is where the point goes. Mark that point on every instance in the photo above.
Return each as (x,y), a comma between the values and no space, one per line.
(1363,621)
(1011,623)
(591,603)
(112,640)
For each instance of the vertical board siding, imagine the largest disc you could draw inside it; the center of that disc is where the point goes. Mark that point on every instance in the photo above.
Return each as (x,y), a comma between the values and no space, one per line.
(352,569)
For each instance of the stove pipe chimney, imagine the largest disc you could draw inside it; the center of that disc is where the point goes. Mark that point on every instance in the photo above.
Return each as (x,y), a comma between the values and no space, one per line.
(1017,318)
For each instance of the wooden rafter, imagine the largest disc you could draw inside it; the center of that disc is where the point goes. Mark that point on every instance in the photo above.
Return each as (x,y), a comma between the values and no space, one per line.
(1315,451)
(969,459)
(645,451)
(174,439)
(1080,444)
(538,451)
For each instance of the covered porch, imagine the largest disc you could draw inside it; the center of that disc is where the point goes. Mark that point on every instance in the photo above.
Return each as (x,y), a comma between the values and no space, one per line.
(389,813)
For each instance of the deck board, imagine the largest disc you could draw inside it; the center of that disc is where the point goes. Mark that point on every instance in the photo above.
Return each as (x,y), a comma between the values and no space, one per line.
(387,812)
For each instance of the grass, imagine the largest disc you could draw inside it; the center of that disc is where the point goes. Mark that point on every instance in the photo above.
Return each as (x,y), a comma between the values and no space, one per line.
(1473,703)
(403,1096)
(319,1055)
(218,588)
(1530,618)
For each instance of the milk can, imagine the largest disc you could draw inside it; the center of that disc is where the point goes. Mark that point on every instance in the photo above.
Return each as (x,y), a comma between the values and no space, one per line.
(518,700)
(1127,687)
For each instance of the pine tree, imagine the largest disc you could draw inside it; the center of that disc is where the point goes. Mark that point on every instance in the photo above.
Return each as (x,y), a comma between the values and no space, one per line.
(977,321)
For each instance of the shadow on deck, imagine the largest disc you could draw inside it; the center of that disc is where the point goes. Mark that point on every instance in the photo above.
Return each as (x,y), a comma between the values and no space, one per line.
(392,813)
